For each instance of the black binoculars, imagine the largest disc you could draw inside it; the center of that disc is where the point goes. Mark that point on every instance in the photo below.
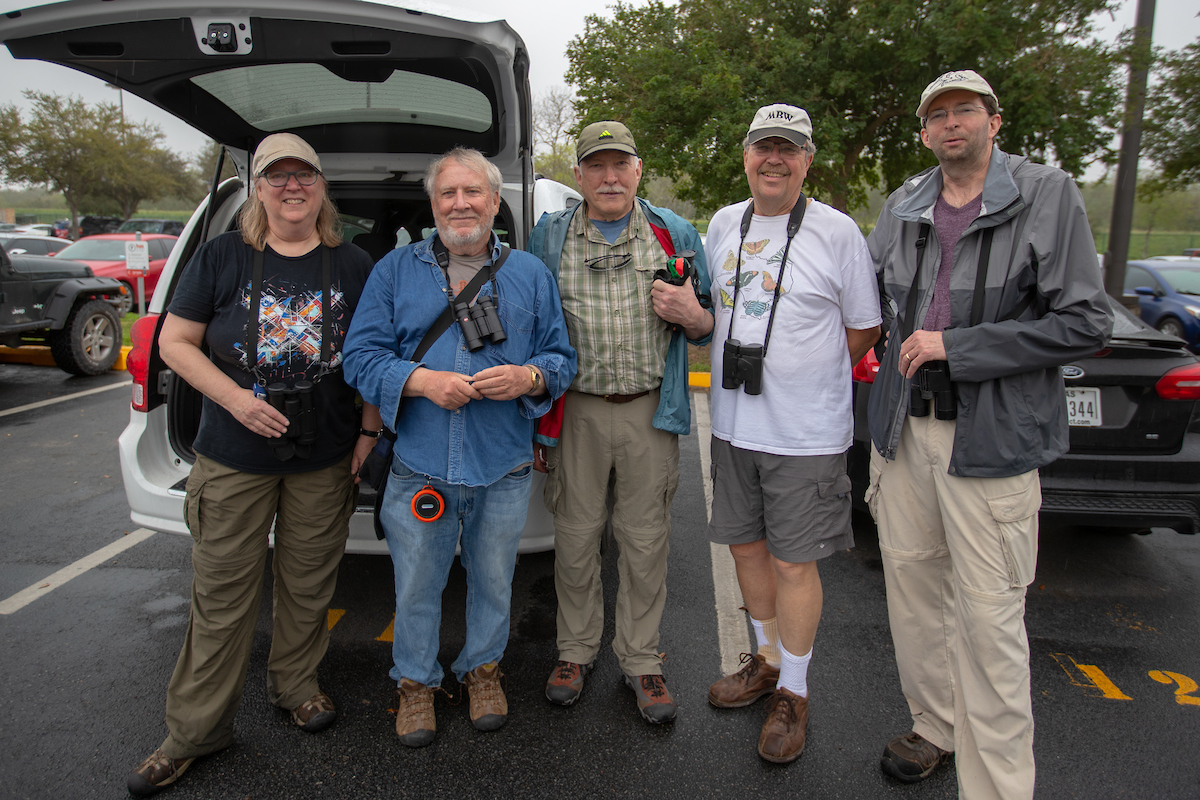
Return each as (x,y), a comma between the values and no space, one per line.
(742,365)
(932,382)
(295,403)
(678,270)
(479,322)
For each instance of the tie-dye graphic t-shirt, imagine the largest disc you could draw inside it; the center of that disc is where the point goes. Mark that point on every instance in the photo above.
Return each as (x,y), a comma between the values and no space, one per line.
(215,289)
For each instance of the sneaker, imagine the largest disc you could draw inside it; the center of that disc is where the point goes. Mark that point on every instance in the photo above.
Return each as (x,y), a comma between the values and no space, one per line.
(156,773)
(754,680)
(653,698)
(489,706)
(415,723)
(566,682)
(912,757)
(315,714)
(782,738)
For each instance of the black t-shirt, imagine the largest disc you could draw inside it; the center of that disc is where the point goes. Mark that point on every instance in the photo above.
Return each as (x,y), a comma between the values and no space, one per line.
(215,289)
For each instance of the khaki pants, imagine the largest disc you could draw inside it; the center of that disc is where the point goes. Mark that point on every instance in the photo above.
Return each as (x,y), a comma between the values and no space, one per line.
(229,514)
(599,438)
(957,556)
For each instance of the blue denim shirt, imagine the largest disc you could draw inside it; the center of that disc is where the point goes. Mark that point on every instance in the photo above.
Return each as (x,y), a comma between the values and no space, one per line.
(484,440)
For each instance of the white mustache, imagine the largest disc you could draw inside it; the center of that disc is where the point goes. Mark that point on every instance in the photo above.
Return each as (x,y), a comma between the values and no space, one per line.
(610,190)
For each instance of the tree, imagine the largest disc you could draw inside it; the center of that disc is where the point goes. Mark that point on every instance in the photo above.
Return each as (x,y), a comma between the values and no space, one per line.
(688,79)
(553,120)
(1172,130)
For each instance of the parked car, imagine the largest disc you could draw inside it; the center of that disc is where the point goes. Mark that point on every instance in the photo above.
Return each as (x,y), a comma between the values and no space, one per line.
(1168,292)
(377,89)
(38,229)
(92,224)
(138,225)
(31,244)
(105,254)
(60,303)
(1134,459)
(1192,252)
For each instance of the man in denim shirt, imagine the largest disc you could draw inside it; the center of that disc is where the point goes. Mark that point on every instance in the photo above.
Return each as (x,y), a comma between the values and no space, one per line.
(465,431)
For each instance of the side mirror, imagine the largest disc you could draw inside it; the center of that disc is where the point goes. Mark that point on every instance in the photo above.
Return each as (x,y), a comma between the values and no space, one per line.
(1144,291)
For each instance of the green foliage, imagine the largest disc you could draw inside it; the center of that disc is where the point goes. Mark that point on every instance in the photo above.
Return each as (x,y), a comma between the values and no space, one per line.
(557,163)
(688,79)
(98,161)
(1171,135)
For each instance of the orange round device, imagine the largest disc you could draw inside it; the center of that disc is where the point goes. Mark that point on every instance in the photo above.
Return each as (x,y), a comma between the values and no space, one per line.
(427,504)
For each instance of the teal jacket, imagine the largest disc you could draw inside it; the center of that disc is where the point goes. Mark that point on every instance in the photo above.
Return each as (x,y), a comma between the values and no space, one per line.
(674,413)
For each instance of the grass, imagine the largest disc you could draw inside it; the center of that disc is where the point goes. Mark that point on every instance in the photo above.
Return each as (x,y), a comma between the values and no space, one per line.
(127,323)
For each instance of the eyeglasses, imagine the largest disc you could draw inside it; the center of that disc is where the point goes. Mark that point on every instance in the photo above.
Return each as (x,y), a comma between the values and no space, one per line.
(964,113)
(304,177)
(607,263)
(786,149)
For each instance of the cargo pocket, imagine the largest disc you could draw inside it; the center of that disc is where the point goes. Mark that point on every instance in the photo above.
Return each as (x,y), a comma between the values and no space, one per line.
(192,500)
(1014,514)
(871,497)
(552,490)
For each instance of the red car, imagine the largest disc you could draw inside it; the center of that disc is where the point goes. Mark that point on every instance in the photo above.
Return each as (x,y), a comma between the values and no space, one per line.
(105,254)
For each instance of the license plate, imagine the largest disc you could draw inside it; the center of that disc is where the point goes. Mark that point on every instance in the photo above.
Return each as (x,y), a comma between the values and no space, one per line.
(1083,407)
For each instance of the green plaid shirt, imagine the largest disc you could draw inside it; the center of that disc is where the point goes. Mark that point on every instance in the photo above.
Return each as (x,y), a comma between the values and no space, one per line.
(621,342)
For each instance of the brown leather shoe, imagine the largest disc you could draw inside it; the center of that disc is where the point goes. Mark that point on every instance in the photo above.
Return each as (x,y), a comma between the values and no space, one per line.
(315,714)
(783,734)
(912,757)
(156,773)
(754,680)
(415,723)
(489,706)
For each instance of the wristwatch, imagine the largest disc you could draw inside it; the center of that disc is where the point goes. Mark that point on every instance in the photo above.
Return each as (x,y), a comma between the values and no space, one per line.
(535,378)
(372,434)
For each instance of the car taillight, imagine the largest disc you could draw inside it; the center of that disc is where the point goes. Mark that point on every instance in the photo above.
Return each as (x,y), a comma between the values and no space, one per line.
(1182,383)
(138,361)
(866,370)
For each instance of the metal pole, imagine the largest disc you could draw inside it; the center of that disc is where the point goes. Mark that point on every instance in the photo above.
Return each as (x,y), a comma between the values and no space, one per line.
(141,285)
(1117,254)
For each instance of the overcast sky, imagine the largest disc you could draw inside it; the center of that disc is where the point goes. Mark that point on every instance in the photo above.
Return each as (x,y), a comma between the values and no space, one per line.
(545,34)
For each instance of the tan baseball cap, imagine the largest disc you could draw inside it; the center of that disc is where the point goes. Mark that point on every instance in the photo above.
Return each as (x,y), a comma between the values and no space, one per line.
(279,146)
(967,79)
(782,120)
(606,135)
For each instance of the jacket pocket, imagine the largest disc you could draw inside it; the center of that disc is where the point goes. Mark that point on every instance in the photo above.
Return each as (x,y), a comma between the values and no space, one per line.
(1015,515)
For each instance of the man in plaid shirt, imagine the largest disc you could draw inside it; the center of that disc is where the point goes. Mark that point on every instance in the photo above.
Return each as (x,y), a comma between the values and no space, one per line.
(623,414)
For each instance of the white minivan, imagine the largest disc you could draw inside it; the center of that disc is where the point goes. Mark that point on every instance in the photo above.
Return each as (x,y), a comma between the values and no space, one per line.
(377,88)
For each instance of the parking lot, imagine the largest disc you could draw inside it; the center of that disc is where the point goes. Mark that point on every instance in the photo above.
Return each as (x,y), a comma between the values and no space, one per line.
(1113,620)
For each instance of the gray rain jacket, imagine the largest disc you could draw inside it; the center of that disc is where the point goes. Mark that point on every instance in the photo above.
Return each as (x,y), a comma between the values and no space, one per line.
(1012,414)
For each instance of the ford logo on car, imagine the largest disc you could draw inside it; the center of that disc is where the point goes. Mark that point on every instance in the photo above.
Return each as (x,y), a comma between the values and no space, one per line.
(1070,371)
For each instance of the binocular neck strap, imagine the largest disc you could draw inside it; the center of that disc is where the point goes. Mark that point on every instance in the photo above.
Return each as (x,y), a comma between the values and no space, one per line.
(793,227)
(252,329)
(443,322)
(985,255)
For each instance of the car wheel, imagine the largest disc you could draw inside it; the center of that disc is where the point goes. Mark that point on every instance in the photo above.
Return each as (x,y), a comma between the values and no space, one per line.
(90,341)
(126,302)
(1172,327)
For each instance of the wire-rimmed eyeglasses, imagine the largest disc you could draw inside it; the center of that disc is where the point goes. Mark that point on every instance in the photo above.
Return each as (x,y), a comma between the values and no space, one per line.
(304,177)
(609,262)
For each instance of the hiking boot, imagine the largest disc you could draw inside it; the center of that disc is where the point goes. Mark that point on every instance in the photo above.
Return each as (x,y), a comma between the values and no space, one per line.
(782,738)
(653,698)
(754,680)
(156,773)
(912,757)
(566,682)
(315,714)
(415,723)
(489,706)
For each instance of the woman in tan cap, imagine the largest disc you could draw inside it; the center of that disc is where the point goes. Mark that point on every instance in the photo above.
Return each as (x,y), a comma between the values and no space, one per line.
(279,443)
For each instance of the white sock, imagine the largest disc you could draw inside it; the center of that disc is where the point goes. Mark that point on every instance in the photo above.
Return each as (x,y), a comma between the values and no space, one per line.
(793,672)
(766,632)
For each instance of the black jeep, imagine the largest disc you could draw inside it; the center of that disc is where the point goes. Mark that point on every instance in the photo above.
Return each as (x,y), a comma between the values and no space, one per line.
(63,304)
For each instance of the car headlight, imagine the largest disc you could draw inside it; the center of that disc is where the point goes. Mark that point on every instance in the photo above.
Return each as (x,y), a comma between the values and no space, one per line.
(1193,310)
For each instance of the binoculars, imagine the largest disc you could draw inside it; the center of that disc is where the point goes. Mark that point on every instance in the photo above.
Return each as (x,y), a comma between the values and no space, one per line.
(932,382)
(295,403)
(742,365)
(479,322)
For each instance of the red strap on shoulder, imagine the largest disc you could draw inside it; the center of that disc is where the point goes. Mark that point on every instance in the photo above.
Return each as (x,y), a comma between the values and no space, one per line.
(664,238)
(550,423)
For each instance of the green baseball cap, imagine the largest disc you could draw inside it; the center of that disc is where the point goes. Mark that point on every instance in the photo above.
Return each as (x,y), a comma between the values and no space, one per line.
(606,135)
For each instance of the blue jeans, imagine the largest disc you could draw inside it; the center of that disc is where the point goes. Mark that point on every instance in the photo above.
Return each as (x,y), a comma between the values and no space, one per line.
(491,519)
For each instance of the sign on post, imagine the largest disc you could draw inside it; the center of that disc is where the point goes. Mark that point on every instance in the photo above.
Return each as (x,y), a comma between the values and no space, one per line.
(137,263)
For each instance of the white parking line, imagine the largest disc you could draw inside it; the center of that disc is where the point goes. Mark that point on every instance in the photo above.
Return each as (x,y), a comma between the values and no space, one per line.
(727,595)
(64,398)
(47,585)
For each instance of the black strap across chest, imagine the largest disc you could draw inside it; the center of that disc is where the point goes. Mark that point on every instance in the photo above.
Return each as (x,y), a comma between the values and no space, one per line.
(794,219)
(442,323)
(985,255)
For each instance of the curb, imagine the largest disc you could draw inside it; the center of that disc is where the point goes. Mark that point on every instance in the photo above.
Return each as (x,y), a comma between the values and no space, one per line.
(39,355)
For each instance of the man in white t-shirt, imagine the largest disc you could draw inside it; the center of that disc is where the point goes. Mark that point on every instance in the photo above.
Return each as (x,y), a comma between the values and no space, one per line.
(797,306)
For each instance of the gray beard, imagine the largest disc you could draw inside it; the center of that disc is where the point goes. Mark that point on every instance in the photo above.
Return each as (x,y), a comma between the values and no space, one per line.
(464,240)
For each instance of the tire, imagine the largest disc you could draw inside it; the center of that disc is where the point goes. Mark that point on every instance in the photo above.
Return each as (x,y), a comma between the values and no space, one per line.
(1172,327)
(90,341)
(127,302)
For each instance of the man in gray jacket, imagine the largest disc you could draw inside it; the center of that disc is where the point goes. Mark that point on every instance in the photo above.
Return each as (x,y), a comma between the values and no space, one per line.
(991,266)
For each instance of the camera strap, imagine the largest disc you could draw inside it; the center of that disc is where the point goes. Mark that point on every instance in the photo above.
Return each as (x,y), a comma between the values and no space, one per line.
(794,219)
(981,270)
(253,334)
(443,322)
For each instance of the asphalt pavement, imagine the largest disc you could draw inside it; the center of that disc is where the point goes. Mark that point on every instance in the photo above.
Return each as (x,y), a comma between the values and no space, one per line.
(1112,620)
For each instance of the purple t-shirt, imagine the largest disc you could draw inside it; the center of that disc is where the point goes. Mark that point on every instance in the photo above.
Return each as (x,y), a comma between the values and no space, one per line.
(949,222)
